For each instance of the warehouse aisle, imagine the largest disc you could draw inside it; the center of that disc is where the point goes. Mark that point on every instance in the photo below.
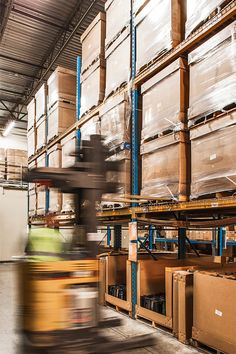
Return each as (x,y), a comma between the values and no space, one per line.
(9,340)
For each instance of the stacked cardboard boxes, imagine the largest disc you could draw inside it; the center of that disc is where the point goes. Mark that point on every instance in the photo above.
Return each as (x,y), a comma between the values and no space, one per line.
(165,142)
(2,164)
(91,127)
(159,27)
(32,193)
(61,101)
(16,162)
(117,51)
(41,190)
(93,64)
(41,116)
(55,196)
(31,128)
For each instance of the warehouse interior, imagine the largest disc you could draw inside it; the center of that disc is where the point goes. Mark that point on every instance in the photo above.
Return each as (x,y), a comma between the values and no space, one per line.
(117,176)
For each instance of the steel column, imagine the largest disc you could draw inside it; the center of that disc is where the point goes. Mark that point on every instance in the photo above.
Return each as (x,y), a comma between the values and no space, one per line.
(181,243)
(150,236)
(221,240)
(108,235)
(117,237)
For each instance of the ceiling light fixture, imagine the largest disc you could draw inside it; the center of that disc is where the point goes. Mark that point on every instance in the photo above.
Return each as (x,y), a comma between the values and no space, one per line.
(8,128)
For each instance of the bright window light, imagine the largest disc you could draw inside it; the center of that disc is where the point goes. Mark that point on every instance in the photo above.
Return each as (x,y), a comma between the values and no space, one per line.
(8,128)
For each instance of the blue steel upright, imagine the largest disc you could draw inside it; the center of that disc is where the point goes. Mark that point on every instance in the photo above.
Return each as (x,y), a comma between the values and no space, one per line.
(221,239)
(109,235)
(134,151)
(150,236)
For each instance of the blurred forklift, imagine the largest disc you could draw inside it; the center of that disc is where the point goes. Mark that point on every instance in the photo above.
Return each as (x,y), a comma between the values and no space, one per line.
(59,299)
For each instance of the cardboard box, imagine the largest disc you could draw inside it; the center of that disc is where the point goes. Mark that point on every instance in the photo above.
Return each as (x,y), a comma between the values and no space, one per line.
(2,163)
(41,102)
(183,305)
(31,142)
(118,57)
(214,316)
(31,114)
(16,162)
(93,41)
(117,18)
(115,121)
(55,196)
(32,202)
(60,117)
(202,234)
(166,167)
(41,127)
(212,75)
(91,127)
(41,190)
(160,32)
(61,86)
(165,109)
(212,163)
(68,147)
(92,86)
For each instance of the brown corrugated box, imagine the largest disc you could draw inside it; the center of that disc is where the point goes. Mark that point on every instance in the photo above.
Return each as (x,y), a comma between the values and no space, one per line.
(165,167)
(61,116)
(41,133)
(61,86)
(41,190)
(164,108)
(214,313)
(31,142)
(2,163)
(212,159)
(55,196)
(93,86)
(16,162)
(31,114)
(41,102)
(93,41)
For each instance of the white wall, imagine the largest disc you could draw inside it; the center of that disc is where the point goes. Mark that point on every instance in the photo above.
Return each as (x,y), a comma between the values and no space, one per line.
(13,216)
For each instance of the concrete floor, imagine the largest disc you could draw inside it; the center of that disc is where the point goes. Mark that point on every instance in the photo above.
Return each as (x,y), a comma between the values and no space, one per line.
(9,339)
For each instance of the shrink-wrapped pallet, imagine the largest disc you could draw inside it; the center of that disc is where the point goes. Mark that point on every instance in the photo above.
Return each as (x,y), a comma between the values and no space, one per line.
(31,142)
(16,162)
(2,163)
(213,74)
(212,156)
(118,62)
(61,117)
(41,102)
(165,167)
(68,145)
(92,86)
(32,202)
(41,190)
(159,27)
(54,161)
(91,127)
(117,18)
(165,100)
(115,121)
(61,86)
(41,127)
(31,114)
(197,13)
(93,41)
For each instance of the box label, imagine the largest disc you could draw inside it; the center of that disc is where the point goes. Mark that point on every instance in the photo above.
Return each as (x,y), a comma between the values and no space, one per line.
(218,313)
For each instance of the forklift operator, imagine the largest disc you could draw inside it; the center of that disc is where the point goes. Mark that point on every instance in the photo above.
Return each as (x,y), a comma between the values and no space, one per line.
(45,244)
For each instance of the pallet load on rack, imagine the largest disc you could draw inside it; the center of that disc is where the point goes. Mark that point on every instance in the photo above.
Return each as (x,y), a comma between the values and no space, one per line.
(165,142)
(41,190)
(61,102)
(32,193)
(199,11)
(203,234)
(55,196)
(16,162)
(115,129)
(68,147)
(230,233)
(41,117)
(2,164)
(214,315)
(31,128)
(93,64)
(160,25)
(91,127)
(117,51)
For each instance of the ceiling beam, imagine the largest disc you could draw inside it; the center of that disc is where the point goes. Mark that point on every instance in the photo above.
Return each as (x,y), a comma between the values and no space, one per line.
(18,74)
(10,92)
(6,110)
(5,13)
(21,61)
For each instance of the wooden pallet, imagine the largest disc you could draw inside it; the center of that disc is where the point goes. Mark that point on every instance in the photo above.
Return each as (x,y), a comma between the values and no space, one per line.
(156,320)
(122,306)
(204,348)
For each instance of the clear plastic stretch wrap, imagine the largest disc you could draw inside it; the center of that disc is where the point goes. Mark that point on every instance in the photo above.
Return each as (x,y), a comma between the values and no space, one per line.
(55,200)
(93,41)
(41,190)
(213,74)
(41,133)
(31,114)
(115,121)
(158,29)
(213,157)
(164,100)
(197,13)
(32,202)
(118,63)
(61,117)
(117,17)
(54,156)
(91,127)
(16,161)
(41,102)
(68,202)
(160,171)
(61,85)
(31,135)
(92,86)
(2,163)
